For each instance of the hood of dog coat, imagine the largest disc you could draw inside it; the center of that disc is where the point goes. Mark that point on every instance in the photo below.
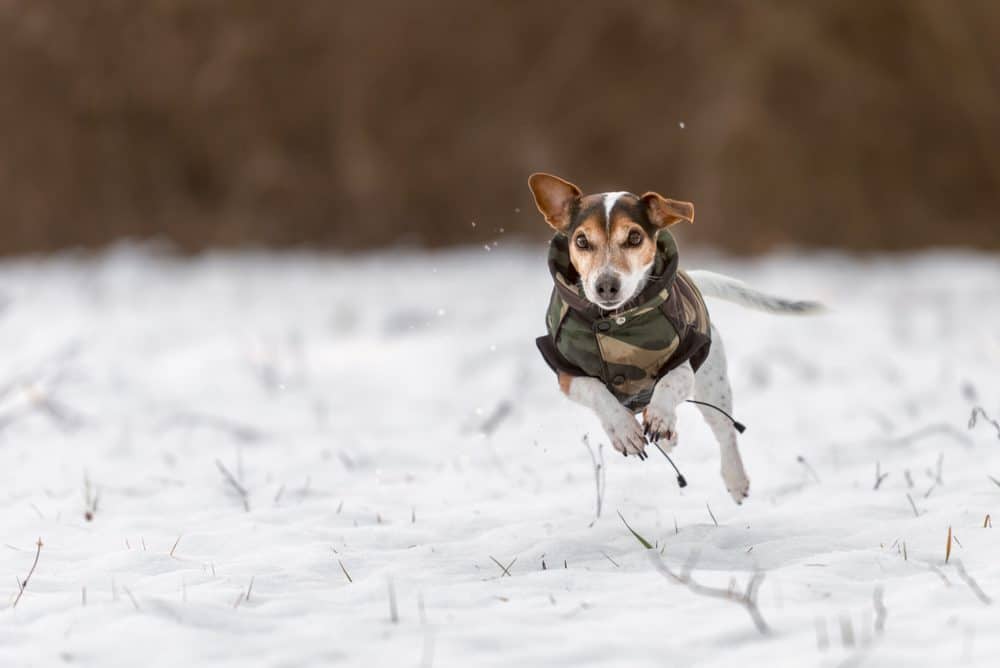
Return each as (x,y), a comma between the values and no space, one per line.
(633,347)
(567,280)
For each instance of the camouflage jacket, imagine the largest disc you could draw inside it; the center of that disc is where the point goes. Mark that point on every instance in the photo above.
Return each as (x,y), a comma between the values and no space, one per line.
(632,348)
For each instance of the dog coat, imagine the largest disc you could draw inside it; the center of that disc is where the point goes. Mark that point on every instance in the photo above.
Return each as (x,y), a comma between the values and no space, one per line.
(633,347)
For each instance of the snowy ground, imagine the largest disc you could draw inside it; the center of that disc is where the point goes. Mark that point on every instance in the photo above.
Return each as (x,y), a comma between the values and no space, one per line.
(350,397)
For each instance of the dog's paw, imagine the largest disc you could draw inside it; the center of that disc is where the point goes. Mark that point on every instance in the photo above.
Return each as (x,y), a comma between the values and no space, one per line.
(736,480)
(625,433)
(660,427)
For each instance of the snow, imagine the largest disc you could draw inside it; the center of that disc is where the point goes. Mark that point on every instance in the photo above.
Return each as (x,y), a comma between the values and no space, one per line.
(348,396)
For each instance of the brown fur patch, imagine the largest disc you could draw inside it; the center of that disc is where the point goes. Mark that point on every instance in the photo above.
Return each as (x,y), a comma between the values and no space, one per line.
(609,250)
(586,261)
(565,380)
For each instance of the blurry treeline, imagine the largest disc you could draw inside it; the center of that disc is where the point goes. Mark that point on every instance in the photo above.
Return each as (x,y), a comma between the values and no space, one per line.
(859,124)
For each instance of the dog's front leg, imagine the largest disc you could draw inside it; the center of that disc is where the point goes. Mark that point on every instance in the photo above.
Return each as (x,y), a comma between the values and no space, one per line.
(619,423)
(660,416)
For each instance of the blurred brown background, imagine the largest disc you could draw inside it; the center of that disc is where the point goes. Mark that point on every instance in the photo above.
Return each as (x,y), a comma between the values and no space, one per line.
(860,124)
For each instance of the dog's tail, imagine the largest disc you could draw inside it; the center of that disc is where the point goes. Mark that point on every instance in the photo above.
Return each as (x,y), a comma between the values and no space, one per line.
(738,292)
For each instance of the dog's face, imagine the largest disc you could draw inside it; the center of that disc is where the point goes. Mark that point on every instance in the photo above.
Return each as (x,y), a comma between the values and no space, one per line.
(612,236)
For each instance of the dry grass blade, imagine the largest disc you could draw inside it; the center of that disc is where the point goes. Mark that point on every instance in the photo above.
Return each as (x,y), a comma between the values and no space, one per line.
(879,476)
(947,548)
(135,603)
(231,479)
(505,569)
(712,515)
(645,543)
(346,574)
(24,585)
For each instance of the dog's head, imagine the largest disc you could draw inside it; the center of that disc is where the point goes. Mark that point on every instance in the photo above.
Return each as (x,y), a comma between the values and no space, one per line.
(612,236)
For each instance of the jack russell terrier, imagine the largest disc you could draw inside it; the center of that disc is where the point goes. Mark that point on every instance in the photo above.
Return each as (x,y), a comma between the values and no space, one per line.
(627,331)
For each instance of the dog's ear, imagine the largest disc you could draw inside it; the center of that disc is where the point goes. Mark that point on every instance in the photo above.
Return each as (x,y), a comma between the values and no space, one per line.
(663,212)
(554,198)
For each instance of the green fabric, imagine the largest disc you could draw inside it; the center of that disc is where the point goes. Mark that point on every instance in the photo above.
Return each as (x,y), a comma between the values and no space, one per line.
(632,348)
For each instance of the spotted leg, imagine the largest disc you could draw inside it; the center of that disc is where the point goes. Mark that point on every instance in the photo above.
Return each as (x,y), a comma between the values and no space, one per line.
(712,387)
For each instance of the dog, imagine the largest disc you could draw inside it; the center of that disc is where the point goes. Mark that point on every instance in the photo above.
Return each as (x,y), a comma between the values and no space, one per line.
(628,330)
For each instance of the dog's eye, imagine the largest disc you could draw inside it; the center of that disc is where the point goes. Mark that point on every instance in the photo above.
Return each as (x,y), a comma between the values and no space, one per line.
(582,243)
(634,238)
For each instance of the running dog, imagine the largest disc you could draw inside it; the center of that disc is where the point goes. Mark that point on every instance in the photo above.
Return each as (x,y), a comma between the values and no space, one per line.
(628,332)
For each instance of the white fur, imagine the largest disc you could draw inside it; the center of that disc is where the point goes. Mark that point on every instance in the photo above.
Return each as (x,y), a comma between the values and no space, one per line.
(710,384)
(618,422)
(609,203)
(661,413)
(736,291)
(630,283)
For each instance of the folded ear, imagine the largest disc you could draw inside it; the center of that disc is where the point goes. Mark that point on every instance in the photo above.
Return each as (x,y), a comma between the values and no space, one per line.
(665,212)
(554,197)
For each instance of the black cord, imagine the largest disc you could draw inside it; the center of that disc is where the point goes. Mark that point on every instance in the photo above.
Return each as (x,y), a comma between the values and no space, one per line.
(739,426)
(681,480)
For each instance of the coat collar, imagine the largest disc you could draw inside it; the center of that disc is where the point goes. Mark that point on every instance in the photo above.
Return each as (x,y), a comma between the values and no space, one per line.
(567,280)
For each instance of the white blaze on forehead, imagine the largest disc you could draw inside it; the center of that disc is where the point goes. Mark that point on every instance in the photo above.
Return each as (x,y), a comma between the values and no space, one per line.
(609,203)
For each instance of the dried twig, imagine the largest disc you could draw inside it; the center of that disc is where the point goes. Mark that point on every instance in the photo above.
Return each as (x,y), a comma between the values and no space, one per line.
(880,611)
(393,610)
(979,411)
(747,599)
(916,513)
(231,479)
(598,461)
(135,603)
(936,475)
(711,514)
(931,430)
(176,543)
(239,432)
(846,631)
(938,572)
(808,467)
(973,585)
(879,476)
(499,414)
(90,500)
(244,596)
(346,574)
(505,569)
(24,585)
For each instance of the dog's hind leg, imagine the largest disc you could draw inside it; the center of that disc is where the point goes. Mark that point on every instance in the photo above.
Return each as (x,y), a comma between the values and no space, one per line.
(712,387)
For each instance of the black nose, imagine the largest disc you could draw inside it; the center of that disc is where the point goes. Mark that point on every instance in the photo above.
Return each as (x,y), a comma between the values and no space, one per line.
(607,286)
